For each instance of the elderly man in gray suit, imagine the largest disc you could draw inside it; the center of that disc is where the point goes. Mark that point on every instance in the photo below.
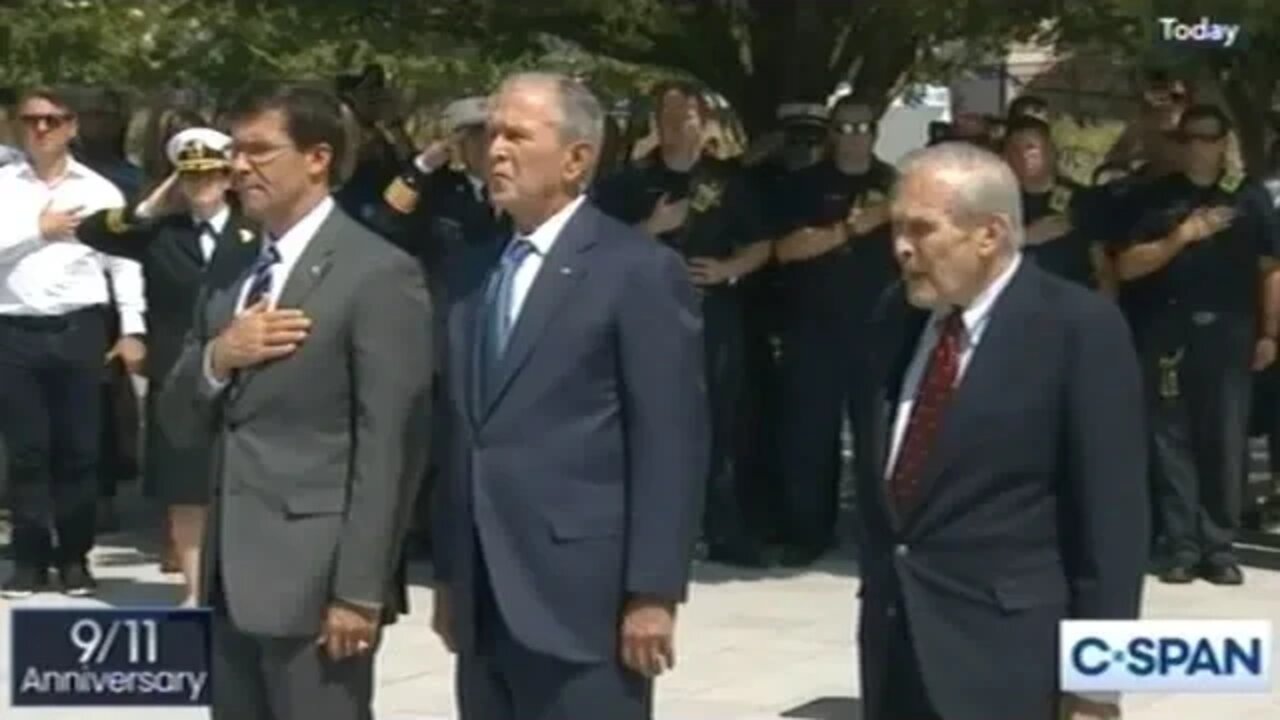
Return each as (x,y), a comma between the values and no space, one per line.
(311,375)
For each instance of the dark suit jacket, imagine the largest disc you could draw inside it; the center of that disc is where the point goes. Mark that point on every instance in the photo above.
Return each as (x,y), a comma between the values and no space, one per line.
(582,479)
(1034,501)
(173,270)
(316,456)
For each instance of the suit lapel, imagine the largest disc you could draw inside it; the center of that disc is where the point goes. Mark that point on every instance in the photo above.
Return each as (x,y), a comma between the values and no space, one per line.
(560,273)
(901,335)
(188,241)
(987,372)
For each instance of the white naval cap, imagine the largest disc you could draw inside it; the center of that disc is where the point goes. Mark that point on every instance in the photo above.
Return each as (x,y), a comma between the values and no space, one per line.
(466,112)
(199,150)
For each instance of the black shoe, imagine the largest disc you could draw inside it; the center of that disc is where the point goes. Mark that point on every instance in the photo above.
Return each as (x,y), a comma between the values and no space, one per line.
(737,554)
(800,556)
(25,582)
(1223,573)
(76,580)
(1178,574)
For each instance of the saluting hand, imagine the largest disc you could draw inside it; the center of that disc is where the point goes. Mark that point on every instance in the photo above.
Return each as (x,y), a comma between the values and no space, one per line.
(648,636)
(259,334)
(164,200)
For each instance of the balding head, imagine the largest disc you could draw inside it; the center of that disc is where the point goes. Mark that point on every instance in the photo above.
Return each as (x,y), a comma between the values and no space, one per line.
(957,221)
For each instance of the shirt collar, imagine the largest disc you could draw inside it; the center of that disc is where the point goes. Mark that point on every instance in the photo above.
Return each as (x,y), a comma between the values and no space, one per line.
(75,169)
(295,240)
(545,235)
(978,313)
(218,222)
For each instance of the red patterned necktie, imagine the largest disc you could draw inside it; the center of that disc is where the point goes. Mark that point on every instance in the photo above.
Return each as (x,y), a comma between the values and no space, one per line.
(932,397)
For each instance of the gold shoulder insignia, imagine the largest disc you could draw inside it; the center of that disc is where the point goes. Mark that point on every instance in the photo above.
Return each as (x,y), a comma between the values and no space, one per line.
(246,235)
(1231,180)
(402,198)
(706,196)
(116,223)
(1060,199)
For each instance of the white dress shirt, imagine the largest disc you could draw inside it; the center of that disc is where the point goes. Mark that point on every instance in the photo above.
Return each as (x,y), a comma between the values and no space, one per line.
(55,276)
(542,239)
(291,245)
(209,241)
(975,319)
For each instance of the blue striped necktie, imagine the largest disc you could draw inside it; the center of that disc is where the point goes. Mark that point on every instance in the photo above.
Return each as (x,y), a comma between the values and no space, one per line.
(260,281)
(502,314)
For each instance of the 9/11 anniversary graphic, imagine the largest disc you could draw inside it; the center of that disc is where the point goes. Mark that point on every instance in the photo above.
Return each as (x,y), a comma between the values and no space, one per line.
(110,657)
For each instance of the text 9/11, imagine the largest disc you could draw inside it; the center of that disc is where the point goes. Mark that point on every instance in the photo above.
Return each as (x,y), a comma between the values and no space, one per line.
(110,657)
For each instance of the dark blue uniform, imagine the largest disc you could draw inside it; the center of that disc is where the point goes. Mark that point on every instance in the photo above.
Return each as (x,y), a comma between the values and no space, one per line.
(723,218)
(1196,322)
(1068,256)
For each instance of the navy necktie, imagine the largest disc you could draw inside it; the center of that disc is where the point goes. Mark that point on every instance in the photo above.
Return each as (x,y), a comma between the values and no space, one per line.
(499,318)
(260,282)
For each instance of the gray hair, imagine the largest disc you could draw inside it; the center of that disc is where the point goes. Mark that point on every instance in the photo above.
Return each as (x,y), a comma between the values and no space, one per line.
(983,183)
(581,116)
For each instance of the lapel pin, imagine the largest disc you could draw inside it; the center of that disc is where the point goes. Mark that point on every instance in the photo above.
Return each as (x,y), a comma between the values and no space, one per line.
(315,269)
(566,271)
(246,235)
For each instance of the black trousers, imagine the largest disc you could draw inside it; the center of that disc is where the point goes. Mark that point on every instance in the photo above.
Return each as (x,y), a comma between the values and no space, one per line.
(1199,386)
(905,695)
(757,463)
(724,516)
(818,333)
(50,405)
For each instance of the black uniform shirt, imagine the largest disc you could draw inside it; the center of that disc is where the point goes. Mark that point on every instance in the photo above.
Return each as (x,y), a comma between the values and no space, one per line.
(1066,256)
(822,195)
(723,210)
(1219,273)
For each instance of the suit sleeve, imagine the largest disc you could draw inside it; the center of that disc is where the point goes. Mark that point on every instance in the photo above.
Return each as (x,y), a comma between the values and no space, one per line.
(666,415)
(391,359)
(1107,515)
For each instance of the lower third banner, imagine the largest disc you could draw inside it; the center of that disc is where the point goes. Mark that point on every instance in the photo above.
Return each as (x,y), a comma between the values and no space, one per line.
(110,657)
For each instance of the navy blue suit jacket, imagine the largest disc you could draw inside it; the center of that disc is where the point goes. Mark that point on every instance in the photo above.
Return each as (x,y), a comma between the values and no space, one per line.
(582,477)
(1034,499)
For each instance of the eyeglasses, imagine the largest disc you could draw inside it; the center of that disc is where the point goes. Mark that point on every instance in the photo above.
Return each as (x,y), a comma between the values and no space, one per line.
(52,121)
(257,153)
(854,128)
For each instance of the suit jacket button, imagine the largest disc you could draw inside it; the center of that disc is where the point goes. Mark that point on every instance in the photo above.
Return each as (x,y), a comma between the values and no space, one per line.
(901,551)
(892,611)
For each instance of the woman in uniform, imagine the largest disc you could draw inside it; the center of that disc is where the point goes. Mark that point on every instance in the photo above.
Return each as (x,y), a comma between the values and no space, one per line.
(187,234)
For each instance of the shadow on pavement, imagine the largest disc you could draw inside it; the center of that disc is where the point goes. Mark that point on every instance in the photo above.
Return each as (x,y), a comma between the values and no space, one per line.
(828,708)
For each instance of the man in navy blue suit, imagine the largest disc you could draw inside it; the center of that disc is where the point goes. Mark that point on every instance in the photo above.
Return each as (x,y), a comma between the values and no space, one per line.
(578,436)
(1002,483)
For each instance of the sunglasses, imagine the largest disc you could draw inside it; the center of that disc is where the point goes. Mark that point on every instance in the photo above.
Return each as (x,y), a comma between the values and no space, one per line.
(52,121)
(855,128)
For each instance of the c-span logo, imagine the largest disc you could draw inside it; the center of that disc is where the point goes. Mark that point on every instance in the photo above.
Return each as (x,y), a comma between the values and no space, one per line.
(1185,656)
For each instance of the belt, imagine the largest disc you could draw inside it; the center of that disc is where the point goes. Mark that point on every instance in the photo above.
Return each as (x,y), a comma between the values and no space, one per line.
(48,323)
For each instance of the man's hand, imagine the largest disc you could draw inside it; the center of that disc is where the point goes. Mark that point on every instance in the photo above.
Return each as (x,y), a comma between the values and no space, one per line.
(648,636)
(707,271)
(435,155)
(164,200)
(59,224)
(131,351)
(1264,353)
(259,334)
(442,618)
(1049,227)
(667,215)
(1202,223)
(863,219)
(348,631)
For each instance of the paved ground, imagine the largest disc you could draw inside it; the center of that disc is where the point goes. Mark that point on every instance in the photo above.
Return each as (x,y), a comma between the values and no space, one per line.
(752,645)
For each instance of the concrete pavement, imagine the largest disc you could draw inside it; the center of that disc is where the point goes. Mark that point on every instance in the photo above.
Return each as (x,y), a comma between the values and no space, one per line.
(752,645)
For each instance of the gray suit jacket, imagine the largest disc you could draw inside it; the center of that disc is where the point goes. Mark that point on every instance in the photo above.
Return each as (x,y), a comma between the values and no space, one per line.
(316,457)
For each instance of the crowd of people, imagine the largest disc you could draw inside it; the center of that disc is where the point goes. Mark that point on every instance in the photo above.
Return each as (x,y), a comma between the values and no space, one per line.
(572,367)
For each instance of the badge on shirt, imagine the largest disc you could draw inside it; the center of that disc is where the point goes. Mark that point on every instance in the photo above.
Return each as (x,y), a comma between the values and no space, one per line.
(1060,199)
(1231,180)
(706,196)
